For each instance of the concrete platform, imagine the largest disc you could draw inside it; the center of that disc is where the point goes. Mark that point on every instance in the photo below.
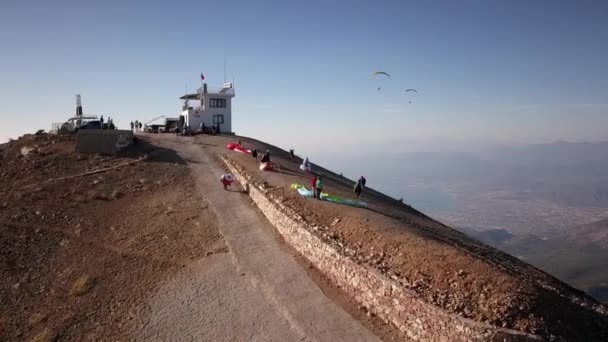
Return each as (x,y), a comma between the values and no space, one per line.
(103,141)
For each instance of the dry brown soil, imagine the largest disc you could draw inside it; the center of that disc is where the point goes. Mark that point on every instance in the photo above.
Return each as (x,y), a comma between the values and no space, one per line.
(443,266)
(80,256)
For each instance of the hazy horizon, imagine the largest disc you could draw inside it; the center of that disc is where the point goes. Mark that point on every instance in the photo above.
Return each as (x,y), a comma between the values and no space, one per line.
(515,72)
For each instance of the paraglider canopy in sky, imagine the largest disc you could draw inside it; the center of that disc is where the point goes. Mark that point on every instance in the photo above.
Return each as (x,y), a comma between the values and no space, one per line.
(410,90)
(380,73)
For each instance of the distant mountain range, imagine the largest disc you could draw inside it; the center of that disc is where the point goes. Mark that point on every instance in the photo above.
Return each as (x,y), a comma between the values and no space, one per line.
(562,172)
(501,184)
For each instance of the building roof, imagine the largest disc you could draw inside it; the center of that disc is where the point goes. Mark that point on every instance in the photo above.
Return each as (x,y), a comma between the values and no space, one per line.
(190,97)
(225,91)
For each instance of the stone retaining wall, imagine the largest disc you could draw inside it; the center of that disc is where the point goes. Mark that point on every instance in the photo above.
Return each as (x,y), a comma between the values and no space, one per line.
(103,141)
(382,296)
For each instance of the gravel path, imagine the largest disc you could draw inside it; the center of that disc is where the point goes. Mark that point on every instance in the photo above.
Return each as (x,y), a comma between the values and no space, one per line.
(257,291)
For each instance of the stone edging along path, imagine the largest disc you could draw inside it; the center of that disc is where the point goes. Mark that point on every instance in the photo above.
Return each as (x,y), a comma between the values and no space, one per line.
(380,295)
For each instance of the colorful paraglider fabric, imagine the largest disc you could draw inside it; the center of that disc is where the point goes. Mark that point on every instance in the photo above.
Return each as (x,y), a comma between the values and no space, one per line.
(265,167)
(238,148)
(340,200)
(303,191)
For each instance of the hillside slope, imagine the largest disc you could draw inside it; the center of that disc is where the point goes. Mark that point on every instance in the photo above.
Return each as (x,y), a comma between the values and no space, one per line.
(81,256)
(443,266)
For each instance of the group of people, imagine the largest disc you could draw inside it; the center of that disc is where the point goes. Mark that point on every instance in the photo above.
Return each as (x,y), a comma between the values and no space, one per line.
(211,130)
(317,186)
(108,125)
(316,181)
(136,126)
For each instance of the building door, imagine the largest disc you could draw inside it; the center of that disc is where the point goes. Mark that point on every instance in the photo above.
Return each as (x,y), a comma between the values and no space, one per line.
(218,120)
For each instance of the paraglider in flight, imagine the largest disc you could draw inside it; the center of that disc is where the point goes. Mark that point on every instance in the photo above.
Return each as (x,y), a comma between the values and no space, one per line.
(412,90)
(378,73)
(381,73)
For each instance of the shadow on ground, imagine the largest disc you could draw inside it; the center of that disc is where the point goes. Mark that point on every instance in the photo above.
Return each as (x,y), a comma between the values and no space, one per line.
(156,154)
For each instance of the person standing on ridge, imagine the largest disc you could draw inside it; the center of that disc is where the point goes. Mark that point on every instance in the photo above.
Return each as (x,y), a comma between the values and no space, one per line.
(358,188)
(319,186)
(132,125)
(265,157)
(313,183)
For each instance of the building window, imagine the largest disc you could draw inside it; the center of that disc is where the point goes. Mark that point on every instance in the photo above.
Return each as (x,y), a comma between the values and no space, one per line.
(217,103)
(218,119)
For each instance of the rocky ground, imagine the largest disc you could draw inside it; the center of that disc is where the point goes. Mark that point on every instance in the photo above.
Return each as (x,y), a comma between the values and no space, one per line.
(442,265)
(86,240)
(80,255)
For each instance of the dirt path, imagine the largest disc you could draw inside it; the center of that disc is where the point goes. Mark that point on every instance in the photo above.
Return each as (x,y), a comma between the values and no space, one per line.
(257,291)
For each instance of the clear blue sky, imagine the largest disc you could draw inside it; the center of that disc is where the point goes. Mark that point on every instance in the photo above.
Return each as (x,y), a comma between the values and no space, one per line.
(501,70)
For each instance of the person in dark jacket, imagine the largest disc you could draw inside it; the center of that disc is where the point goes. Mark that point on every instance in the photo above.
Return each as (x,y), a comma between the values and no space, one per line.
(266,157)
(358,188)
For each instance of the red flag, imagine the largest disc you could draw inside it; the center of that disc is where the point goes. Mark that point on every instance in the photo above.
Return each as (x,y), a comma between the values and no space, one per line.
(202,77)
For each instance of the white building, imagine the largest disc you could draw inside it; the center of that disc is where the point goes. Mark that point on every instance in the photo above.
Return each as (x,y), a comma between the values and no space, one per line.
(211,107)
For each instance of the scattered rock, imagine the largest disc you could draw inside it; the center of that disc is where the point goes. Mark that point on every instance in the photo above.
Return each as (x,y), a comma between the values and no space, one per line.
(25,150)
(47,335)
(116,194)
(81,286)
(37,318)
